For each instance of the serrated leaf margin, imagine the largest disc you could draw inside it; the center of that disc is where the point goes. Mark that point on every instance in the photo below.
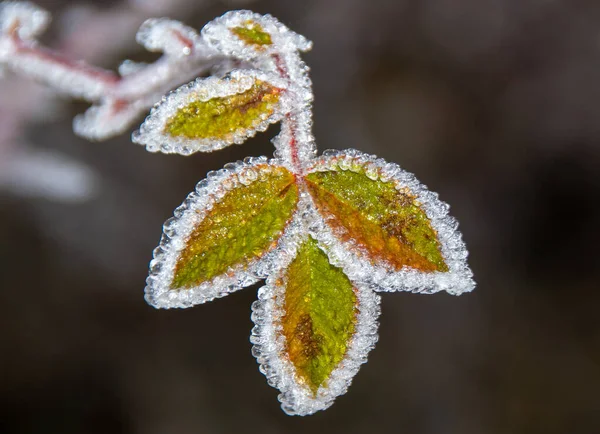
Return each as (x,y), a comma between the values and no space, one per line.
(151,133)
(356,262)
(269,343)
(218,35)
(177,229)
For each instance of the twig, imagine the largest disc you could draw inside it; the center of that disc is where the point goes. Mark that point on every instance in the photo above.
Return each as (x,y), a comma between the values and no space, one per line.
(119,99)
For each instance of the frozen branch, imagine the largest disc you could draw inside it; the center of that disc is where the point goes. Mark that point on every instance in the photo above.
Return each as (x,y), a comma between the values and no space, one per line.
(118,99)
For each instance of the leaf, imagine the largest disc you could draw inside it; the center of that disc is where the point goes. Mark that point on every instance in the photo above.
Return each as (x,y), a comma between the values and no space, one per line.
(320,313)
(249,36)
(240,227)
(211,113)
(314,327)
(221,234)
(385,220)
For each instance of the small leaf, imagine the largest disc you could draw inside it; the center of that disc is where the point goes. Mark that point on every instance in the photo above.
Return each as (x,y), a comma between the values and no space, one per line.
(314,328)
(385,221)
(212,113)
(252,33)
(320,314)
(249,36)
(239,228)
(221,234)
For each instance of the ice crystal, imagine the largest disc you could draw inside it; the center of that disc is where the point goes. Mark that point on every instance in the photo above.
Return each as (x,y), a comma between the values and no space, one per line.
(326,232)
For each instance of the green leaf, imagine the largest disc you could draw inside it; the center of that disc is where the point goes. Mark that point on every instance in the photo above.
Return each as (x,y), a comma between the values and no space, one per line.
(221,117)
(252,33)
(240,228)
(319,315)
(388,224)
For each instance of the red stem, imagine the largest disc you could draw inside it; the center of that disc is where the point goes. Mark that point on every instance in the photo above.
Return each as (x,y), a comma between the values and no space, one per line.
(283,72)
(109,79)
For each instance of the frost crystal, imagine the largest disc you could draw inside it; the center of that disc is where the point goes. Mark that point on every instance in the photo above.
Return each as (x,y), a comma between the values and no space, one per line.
(326,232)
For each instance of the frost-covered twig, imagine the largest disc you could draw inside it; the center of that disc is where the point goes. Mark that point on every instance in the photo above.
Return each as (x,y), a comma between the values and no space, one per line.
(84,31)
(119,99)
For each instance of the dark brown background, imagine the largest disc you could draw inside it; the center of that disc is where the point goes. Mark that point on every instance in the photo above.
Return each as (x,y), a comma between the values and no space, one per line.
(493,104)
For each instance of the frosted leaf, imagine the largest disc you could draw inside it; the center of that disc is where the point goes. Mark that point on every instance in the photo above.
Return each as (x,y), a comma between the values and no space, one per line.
(26,18)
(247,35)
(168,36)
(358,257)
(300,338)
(229,233)
(101,122)
(212,113)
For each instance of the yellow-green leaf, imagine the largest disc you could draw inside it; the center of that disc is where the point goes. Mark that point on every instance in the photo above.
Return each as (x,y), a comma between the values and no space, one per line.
(252,33)
(221,117)
(389,224)
(245,224)
(319,315)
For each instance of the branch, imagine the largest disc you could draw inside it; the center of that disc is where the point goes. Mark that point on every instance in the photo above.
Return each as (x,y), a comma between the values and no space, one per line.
(118,99)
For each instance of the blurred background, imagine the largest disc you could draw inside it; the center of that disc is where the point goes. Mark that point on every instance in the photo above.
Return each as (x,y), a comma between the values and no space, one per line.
(494,104)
